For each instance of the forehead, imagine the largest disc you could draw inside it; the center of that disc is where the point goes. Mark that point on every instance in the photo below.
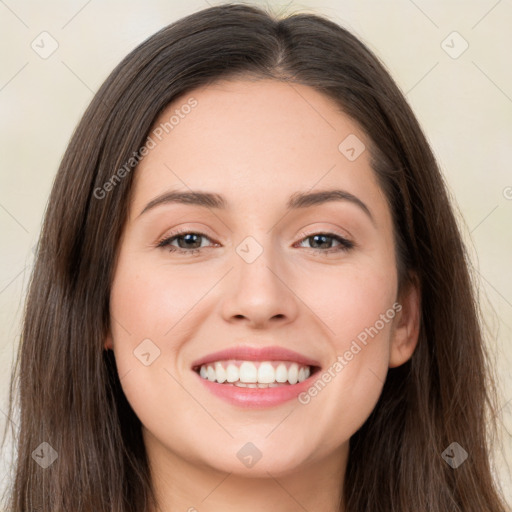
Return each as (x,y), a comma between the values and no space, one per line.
(246,138)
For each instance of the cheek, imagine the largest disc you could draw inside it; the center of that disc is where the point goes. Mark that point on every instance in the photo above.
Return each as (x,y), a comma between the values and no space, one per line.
(150,301)
(351,301)
(359,315)
(147,308)
(365,327)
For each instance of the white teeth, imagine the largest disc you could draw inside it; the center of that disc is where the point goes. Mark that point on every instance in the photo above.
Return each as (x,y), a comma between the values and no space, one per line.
(253,374)
(281,373)
(293,373)
(232,373)
(266,373)
(220,373)
(248,372)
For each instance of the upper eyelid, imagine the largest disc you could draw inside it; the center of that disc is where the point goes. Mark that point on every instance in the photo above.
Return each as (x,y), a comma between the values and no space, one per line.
(182,232)
(306,231)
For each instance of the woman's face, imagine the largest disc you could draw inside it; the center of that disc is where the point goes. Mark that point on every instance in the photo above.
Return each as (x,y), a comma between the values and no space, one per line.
(278,267)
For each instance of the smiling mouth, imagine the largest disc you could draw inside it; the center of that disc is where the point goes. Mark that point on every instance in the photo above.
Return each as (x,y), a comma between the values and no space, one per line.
(255,374)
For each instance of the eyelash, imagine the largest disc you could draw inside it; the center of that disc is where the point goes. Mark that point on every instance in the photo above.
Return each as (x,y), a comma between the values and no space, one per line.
(345,246)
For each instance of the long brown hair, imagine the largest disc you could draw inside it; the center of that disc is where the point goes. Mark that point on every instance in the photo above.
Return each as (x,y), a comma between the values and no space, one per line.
(70,394)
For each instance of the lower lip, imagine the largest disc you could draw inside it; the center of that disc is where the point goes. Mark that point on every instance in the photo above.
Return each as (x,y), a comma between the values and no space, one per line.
(257,397)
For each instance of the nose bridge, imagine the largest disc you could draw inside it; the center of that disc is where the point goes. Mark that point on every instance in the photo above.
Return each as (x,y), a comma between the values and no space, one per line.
(257,289)
(256,262)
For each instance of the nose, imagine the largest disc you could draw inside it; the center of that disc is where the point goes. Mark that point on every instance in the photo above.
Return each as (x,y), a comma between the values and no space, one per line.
(260,293)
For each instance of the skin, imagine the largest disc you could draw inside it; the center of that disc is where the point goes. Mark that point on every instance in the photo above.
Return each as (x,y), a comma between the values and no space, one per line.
(256,143)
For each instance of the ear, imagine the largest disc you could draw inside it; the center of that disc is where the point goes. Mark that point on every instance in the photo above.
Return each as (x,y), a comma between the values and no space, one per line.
(406,326)
(108,345)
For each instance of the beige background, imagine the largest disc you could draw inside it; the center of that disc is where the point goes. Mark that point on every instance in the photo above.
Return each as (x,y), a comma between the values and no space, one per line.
(464,103)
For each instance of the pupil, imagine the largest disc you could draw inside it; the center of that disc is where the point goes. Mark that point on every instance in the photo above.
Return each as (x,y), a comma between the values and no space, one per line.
(315,237)
(187,238)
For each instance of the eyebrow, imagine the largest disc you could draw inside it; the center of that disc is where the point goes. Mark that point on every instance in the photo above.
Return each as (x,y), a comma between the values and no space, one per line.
(297,200)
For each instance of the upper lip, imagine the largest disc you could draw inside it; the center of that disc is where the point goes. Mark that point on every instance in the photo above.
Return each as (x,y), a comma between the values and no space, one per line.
(250,353)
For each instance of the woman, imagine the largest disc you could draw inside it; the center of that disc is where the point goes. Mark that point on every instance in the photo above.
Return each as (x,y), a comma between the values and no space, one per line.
(254,371)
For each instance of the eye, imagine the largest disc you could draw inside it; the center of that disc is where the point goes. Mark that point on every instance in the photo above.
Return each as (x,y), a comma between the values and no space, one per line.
(189,242)
(324,241)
